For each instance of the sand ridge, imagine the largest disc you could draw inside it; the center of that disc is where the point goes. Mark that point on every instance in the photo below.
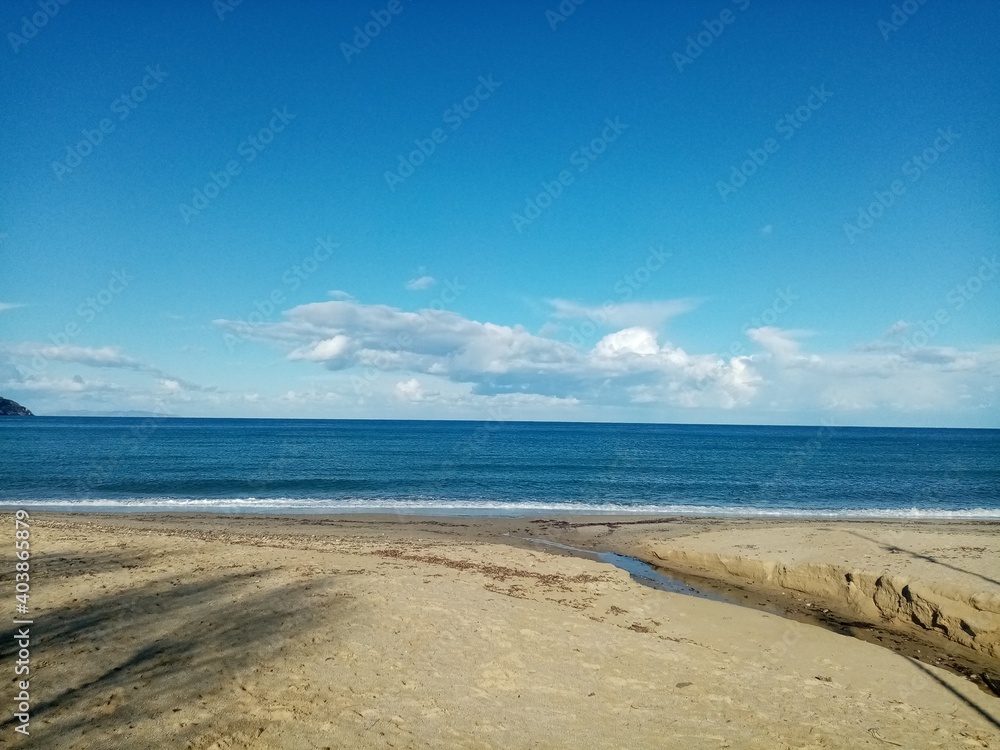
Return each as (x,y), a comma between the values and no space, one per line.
(909,578)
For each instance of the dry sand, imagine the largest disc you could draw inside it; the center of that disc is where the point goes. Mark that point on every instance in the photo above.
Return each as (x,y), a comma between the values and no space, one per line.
(224,632)
(938,580)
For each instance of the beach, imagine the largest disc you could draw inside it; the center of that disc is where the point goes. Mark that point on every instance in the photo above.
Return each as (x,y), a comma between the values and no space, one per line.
(209,631)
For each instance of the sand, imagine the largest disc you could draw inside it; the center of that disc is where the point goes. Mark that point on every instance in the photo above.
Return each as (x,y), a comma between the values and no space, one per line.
(934,580)
(222,632)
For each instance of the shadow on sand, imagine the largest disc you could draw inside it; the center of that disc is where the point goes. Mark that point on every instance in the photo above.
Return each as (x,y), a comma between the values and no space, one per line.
(158,651)
(892,548)
(971,704)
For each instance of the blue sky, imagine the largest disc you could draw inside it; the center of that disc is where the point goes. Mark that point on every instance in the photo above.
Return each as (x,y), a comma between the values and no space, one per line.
(742,212)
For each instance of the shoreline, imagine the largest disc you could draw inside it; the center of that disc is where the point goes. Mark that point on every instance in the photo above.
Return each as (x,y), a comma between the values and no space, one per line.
(212,507)
(240,610)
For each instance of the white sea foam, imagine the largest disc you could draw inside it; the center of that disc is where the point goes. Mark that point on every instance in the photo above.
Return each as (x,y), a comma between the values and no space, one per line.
(479,507)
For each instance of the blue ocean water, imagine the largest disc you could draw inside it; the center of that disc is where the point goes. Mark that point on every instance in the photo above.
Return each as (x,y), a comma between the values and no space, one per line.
(496,468)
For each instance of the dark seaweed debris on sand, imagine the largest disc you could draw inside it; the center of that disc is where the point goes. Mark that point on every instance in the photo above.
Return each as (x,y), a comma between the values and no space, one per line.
(496,572)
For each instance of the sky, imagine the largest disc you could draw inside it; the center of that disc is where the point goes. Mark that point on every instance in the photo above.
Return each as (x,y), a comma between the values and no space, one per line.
(705,212)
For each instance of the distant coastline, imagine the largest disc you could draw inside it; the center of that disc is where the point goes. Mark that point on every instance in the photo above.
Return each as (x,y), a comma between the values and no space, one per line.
(10,408)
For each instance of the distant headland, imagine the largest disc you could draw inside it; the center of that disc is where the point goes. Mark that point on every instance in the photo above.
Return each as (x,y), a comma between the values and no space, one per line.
(10,408)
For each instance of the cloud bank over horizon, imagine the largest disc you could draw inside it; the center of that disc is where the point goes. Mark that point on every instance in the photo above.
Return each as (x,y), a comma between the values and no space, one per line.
(351,358)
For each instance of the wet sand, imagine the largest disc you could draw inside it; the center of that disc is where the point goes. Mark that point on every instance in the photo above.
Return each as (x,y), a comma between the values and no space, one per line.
(391,631)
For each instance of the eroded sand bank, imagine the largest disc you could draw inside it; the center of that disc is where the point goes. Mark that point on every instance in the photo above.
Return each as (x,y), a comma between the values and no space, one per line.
(207,632)
(939,581)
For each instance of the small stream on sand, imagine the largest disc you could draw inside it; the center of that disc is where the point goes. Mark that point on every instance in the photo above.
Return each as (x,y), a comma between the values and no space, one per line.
(641,572)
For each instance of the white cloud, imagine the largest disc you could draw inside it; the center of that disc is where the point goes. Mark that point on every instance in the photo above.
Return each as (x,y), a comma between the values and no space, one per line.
(38,356)
(328,350)
(500,360)
(767,230)
(460,398)
(879,375)
(170,386)
(409,390)
(56,385)
(709,382)
(623,314)
(442,360)
(639,341)
(105,356)
(420,283)
(4,306)
(782,343)
(311,397)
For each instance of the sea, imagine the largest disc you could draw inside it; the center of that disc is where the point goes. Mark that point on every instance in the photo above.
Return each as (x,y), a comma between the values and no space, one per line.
(495,468)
